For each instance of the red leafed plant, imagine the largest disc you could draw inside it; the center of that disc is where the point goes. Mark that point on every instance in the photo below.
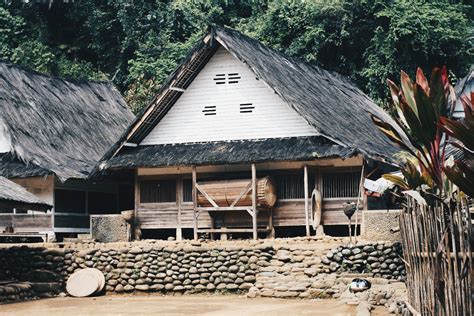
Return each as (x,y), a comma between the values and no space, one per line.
(420,106)
(461,172)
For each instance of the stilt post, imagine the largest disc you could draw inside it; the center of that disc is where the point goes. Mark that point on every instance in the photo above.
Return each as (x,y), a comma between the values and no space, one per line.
(306,200)
(254,202)
(195,214)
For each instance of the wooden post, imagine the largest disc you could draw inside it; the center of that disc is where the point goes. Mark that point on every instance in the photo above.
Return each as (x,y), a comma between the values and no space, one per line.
(306,200)
(135,227)
(179,194)
(195,203)
(254,201)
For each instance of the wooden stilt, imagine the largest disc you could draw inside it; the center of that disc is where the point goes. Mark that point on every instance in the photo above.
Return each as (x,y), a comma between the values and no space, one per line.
(179,191)
(254,202)
(306,200)
(195,217)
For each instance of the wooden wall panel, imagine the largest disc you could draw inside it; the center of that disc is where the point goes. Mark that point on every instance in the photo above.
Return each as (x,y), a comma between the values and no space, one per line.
(26,222)
(186,122)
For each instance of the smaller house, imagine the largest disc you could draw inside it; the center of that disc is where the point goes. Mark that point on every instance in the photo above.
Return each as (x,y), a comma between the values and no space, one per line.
(23,213)
(52,133)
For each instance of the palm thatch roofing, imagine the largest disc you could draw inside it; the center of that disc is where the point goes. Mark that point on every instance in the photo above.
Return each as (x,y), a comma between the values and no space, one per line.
(17,196)
(55,126)
(230,152)
(329,102)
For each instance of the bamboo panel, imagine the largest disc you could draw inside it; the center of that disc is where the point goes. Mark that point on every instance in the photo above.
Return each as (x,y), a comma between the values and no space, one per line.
(437,251)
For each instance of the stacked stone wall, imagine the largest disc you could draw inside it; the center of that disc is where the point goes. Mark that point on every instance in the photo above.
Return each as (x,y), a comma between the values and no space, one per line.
(293,269)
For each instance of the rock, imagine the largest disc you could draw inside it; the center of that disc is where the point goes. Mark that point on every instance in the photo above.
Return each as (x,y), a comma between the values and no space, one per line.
(119,288)
(142,287)
(346,252)
(128,288)
(210,287)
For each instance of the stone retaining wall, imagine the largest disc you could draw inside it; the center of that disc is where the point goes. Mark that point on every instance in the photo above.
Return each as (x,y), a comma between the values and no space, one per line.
(382,259)
(262,268)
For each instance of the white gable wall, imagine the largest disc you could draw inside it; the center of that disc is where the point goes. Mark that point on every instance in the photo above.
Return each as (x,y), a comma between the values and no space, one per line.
(229,113)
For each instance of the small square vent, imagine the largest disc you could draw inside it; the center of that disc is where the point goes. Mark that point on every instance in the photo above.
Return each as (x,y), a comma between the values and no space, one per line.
(246,107)
(229,78)
(209,110)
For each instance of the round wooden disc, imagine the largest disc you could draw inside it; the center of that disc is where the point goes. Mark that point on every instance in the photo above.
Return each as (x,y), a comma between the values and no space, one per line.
(100,276)
(83,283)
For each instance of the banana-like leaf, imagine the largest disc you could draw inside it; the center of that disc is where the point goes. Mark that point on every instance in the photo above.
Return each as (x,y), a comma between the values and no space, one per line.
(397,181)
(427,115)
(460,131)
(422,81)
(464,181)
(407,88)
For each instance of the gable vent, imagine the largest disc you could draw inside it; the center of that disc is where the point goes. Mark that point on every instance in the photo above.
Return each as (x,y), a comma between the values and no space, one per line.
(228,78)
(209,110)
(246,107)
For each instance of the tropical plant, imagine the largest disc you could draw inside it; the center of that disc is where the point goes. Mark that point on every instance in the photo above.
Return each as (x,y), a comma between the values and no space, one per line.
(420,106)
(461,172)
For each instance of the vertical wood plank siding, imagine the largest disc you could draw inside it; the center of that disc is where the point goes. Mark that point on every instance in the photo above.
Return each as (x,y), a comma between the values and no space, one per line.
(226,102)
(341,184)
(155,191)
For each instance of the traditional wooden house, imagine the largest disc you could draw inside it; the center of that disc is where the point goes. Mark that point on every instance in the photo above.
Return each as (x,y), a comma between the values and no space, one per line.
(52,133)
(234,113)
(23,213)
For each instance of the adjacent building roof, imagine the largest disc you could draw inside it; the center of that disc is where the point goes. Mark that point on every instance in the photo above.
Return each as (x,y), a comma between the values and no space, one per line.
(18,196)
(329,102)
(55,126)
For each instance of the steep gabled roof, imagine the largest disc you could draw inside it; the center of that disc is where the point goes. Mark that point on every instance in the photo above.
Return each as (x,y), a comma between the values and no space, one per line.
(330,103)
(15,194)
(54,125)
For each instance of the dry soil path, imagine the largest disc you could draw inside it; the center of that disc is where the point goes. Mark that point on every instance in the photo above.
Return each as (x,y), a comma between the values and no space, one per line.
(177,305)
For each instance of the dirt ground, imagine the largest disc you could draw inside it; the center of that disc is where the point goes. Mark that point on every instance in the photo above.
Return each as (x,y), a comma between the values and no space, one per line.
(177,305)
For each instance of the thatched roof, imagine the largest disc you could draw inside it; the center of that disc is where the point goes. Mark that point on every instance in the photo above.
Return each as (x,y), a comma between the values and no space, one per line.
(17,196)
(230,152)
(330,103)
(56,126)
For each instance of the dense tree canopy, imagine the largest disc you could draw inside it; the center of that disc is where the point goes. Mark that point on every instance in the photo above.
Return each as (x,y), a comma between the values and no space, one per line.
(137,43)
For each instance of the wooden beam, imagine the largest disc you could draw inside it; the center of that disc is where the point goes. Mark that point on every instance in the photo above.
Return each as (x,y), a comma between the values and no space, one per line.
(254,201)
(195,213)
(137,205)
(306,200)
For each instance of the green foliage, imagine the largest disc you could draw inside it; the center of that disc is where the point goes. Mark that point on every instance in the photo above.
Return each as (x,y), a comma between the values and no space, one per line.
(137,43)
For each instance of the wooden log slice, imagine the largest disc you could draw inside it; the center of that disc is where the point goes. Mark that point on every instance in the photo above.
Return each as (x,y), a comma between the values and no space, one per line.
(101,278)
(83,283)
(225,192)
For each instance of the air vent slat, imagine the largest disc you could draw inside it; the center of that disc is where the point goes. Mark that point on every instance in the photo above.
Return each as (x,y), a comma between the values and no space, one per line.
(229,78)
(246,107)
(209,110)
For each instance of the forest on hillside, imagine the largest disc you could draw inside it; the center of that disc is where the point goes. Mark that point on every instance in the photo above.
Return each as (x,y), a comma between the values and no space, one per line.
(137,43)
